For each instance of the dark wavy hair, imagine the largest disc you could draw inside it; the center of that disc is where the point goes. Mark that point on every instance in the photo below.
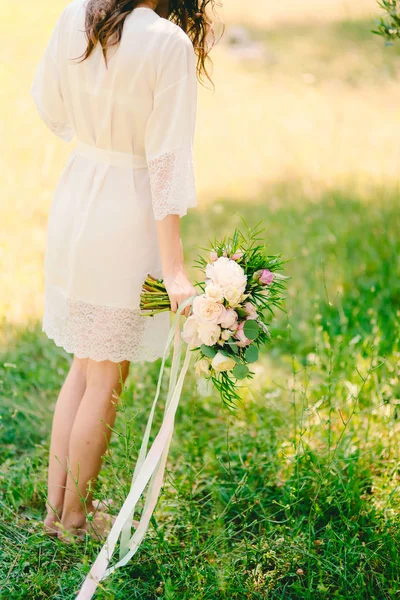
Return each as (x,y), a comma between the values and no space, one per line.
(105,20)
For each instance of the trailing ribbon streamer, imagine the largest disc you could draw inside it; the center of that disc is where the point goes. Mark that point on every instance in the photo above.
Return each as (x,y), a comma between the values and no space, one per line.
(148,468)
(126,530)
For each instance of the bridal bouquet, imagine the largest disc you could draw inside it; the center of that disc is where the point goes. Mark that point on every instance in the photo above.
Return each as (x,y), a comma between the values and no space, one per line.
(228,325)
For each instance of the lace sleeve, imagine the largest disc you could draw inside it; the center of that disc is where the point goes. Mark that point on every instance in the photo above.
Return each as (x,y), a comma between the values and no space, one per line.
(47,93)
(172,182)
(170,132)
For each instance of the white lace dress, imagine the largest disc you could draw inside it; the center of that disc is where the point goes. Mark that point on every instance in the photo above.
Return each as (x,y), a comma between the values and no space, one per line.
(133,163)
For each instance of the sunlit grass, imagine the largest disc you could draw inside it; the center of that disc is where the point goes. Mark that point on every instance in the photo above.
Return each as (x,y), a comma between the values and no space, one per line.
(296,495)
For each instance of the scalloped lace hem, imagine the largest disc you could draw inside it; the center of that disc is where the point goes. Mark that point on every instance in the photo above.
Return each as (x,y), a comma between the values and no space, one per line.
(145,353)
(101,332)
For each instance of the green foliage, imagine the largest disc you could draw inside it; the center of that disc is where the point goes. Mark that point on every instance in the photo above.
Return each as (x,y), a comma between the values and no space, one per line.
(389,26)
(251,329)
(240,371)
(208,351)
(251,354)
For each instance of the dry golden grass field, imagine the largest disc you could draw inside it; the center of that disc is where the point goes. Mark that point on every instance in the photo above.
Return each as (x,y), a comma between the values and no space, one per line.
(320,109)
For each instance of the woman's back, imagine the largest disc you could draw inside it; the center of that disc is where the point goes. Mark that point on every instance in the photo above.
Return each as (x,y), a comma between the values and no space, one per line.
(134,121)
(109,105)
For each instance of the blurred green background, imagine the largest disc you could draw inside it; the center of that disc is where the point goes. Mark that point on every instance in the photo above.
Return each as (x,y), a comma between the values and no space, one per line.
(297,494)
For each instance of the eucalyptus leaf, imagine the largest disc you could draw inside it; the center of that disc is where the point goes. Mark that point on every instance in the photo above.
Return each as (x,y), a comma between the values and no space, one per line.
(224,351)
(251,329)
(208,351)
(251,354)
(240,371)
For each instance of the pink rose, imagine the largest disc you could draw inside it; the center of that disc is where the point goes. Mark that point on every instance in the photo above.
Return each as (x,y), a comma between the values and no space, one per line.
(207,310)
(238,255)
(213,256)
(240,335)
(228,318)
(250,310)
(266,277)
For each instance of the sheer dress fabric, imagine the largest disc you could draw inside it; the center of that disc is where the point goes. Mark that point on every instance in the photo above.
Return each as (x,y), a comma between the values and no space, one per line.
(132,164)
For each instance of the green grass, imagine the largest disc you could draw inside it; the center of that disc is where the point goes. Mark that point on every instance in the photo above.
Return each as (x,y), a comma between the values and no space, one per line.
(294,497)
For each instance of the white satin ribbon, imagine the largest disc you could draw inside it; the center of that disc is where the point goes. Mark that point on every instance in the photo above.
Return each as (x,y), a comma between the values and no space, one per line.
(148,468)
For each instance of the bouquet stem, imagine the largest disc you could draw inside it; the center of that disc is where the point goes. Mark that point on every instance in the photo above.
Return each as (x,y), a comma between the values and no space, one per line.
(154,298)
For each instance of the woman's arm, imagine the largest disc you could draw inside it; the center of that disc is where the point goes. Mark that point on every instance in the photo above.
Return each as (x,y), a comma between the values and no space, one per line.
(169,152)
(46,88)
(176,281)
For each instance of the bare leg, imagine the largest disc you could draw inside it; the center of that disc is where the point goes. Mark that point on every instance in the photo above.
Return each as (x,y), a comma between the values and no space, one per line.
(66,408)
(89,439)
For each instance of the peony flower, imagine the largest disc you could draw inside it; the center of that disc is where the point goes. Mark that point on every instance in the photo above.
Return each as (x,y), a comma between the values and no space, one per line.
(233,296)
(229,319)
(237,255)
(209,333)
(266,277)
(202,367)
(227,273)
(250,310)
(207,310)
(240,335)
(190,332)
(214,291)
(220,362)
(213,256)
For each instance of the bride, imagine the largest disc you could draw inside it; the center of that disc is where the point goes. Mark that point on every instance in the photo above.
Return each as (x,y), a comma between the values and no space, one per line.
(121,77)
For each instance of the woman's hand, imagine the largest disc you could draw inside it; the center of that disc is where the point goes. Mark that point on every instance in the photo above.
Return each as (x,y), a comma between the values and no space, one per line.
(179,288)
(175,279)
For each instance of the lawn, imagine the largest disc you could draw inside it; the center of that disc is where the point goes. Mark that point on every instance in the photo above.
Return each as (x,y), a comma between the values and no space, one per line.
(295,495)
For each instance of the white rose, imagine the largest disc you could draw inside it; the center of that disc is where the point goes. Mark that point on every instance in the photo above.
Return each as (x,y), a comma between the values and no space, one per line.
(207,310)
(229,318)
(214,291)
(190,332)
(202,367)
(232,295)
(220,362)
(227,273)
(226,334)
(209,333)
